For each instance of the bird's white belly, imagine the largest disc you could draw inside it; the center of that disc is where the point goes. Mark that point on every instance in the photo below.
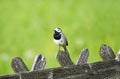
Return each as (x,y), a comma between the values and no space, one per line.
(60,42)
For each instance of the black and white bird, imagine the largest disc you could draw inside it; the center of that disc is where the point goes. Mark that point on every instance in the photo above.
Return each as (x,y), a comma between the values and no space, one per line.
(60,39)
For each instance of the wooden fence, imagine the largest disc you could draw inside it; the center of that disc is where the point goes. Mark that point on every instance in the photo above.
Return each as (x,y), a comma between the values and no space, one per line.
(109,68)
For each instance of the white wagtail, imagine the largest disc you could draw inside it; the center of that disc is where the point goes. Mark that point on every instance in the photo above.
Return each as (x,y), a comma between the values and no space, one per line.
(60,39)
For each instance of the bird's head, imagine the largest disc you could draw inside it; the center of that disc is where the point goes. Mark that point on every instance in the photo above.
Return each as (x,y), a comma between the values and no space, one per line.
(58,30)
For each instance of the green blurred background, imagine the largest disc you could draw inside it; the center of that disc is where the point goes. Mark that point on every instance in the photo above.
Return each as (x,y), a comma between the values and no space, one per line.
(26,28)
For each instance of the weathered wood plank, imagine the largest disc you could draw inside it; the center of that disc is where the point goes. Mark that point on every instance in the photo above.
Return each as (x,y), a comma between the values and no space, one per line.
(39,63)
(12,76)
(99,70)
(63,58)
(83,56)
(106,52)
(18,65)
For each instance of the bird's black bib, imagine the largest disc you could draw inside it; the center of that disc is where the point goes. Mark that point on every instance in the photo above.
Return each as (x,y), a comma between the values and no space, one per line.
(57,35)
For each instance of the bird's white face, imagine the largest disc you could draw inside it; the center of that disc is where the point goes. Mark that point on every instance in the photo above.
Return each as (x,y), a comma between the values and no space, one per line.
(58,30)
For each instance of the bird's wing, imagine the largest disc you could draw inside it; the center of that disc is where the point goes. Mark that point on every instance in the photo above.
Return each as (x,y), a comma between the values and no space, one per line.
(65,40)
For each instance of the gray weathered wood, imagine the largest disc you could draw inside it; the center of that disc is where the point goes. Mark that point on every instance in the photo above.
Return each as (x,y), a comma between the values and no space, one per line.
(100,70)
(118,56)
(18,65)
(83,56)
(106,52)
(109,69)
(63,58)
(12,76)
(39,62)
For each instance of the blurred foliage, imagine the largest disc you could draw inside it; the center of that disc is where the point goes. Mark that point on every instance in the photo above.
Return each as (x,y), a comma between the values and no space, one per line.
(26,28)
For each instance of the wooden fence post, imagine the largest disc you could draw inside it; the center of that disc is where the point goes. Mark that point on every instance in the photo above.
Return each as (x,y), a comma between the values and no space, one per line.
(39,63)
(83,57)
(118,56)
(106,52)
(63,58)
(18,65)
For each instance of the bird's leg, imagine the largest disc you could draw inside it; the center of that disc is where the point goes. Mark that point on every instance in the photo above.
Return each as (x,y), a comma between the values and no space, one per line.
(65,48)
